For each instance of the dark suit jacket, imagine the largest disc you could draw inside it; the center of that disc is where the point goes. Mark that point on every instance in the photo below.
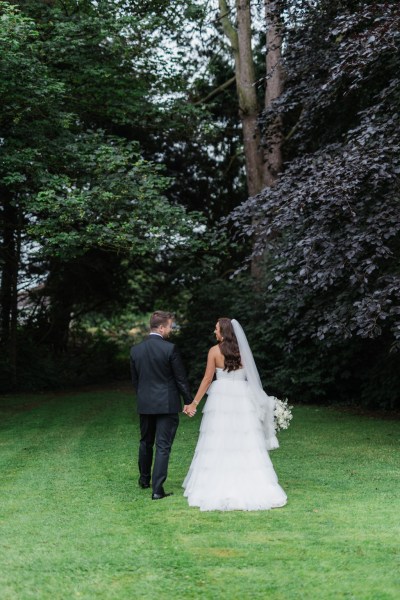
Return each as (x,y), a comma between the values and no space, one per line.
(159,377)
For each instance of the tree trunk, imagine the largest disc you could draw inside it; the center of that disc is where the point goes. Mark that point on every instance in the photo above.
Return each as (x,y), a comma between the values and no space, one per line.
(13,342)
(60,324)
(57,289)
(7,249)
(263,162)
(240,41)
(273,89)
(9,282)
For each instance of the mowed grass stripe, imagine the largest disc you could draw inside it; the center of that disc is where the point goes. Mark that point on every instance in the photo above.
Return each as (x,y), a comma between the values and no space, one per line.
(74,523)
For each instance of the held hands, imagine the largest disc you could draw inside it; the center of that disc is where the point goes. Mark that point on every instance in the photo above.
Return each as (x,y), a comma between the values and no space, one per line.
(190,409)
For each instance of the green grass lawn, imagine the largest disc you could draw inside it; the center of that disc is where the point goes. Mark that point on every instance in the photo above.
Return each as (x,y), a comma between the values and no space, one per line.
(74,523)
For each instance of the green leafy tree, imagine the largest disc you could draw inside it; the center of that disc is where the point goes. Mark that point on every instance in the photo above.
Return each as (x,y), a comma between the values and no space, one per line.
(78,82)
(30,113)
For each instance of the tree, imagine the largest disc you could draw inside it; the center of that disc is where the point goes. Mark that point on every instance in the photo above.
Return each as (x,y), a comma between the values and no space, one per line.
(272,137)
(263,156)
(262,165)
(31,111)
(74,181)
(110,201)
(331,223)
(240,42)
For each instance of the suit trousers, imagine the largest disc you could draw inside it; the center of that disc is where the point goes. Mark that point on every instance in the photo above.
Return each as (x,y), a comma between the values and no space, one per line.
(160,429)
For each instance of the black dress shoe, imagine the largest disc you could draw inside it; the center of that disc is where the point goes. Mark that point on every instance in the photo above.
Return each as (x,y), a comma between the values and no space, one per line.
(160,496)
(144,486)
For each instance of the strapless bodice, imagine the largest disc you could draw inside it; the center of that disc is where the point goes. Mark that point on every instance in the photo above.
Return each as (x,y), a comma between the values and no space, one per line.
(238,375)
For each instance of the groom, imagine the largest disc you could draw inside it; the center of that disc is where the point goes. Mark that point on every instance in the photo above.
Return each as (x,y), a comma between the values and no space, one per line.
(159,378)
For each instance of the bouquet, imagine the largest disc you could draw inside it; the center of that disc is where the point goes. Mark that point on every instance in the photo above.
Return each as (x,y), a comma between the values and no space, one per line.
(282,414)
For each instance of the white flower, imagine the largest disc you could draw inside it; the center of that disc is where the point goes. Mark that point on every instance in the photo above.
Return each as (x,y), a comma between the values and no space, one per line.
(282,414)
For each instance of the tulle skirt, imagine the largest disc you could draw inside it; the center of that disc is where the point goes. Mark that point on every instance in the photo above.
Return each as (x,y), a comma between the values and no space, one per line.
(231,468)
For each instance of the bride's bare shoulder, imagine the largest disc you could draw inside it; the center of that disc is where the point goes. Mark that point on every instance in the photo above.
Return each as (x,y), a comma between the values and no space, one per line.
(216,357)
(214,350)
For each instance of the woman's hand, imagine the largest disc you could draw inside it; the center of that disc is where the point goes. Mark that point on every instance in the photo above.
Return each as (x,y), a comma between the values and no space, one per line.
(190,409)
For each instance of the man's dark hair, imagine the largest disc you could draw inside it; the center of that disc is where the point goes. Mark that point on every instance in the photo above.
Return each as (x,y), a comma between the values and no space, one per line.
(159,318)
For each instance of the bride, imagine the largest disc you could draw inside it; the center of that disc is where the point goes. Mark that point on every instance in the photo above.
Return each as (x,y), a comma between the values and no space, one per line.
(231,468)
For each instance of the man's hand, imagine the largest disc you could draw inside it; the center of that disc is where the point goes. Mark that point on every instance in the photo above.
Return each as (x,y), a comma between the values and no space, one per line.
(190,409)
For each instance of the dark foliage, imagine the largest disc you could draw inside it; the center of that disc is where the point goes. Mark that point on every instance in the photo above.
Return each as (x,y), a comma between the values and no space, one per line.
(330,229)
(89,359)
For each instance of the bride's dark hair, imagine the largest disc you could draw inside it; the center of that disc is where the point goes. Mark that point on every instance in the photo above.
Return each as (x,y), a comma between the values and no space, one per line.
(229,345)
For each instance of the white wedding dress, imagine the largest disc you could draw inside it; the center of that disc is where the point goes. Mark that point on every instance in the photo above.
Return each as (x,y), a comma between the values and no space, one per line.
(231,468)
